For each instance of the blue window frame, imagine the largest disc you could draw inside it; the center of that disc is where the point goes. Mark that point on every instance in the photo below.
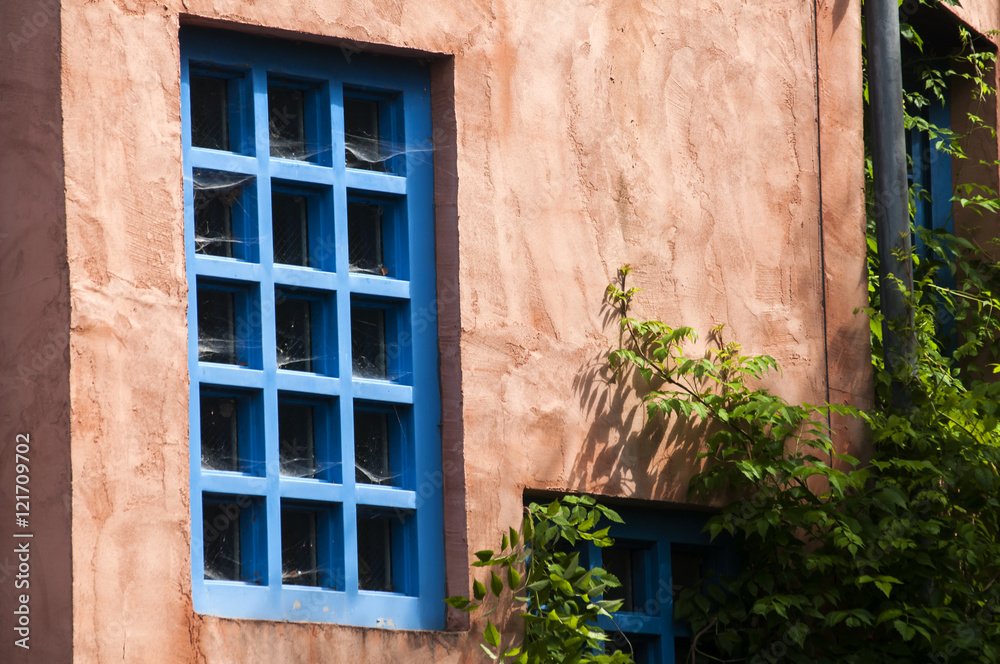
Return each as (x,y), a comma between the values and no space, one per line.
(656,554)
(929,175)
(315,406)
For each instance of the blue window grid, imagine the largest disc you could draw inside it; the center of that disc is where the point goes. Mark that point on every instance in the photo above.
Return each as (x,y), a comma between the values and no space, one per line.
(652,534)
(930,179)
(248,64)
(931,173)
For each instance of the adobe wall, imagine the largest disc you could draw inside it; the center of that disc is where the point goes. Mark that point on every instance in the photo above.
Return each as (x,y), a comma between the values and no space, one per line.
(983,16)
(35,566)
(975,225)
(681,140)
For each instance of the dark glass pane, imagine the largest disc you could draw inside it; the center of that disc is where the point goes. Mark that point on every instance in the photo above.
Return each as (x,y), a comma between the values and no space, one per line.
(371,447)
(298,548)
(209,112)
(374,553)
(219,433)
(368,342)
(296,439)
(632,644)
(618,561)
(364,237)
(293,319)
(682,650)
(221,531)
(214,204)
(286,116)
(685,566)
(362,144)
(216,326)
(290,226)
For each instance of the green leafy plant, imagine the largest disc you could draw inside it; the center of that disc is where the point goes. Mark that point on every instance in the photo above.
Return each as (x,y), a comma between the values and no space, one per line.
(557,599)
(896,561)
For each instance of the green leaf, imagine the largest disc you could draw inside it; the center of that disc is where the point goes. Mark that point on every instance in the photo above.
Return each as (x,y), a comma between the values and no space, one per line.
(485,555)
(478,590)
(496,584)
(458,602)
(904,630)
(513,578)
(491,635)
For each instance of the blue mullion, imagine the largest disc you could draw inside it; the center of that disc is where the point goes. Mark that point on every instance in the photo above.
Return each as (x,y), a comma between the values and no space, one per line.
(921,186)
(217,160)
(940,171)
(307,383)
(194,395)
(381,390)
(418,207)
(232,483)
(303,277)
(311,490)
(376,182)
(345,366)
(663,568)
(302,171)
(258,78)
(376,286)
(232,269)
(374,495)
(632,623)
(229,375)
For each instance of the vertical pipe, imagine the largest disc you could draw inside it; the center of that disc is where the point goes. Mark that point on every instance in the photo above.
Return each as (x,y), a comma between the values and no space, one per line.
(892,214)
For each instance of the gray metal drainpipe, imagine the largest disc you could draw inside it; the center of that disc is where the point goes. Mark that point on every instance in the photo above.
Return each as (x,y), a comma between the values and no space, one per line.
(892,214)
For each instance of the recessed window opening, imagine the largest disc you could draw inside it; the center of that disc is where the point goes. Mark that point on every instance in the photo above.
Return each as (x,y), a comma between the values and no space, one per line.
(307,442)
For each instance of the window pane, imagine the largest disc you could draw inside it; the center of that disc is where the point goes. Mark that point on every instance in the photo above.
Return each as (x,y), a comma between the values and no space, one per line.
(296,439)
(219,433)
(371,447)
(682,650)
(293,318)
(286,115)
(216,326)
(209,112)
(290,227)
(364,237)
(362,146)
(221,530)
(618,561)
(374,553)
(685,566)
(299,564)
(633,644)
(214,204)
(368,342)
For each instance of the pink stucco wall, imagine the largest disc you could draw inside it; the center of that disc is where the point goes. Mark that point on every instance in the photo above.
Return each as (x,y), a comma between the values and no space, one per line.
(715,146)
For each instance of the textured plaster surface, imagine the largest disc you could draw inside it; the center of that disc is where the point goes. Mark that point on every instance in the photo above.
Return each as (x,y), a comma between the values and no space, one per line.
(983,16)
(982,150)
(34,338)
(845,268)
(682,139)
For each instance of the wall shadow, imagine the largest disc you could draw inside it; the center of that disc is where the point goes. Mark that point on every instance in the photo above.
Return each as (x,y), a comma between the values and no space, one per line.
(625,452)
